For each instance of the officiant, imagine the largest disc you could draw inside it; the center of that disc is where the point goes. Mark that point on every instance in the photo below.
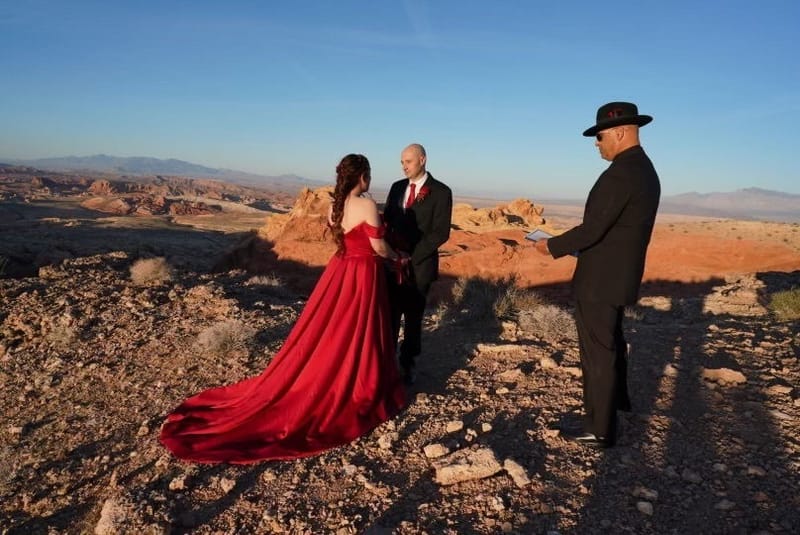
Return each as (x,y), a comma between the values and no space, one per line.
(611,244)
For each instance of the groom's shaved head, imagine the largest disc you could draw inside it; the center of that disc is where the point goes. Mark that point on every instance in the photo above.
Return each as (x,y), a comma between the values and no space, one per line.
(417,148)
(413,161)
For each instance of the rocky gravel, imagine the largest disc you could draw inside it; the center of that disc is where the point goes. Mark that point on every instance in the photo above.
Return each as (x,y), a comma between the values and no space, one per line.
(90,364)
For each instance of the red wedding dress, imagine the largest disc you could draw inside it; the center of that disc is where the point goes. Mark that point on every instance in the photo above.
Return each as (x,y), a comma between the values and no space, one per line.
(334,379)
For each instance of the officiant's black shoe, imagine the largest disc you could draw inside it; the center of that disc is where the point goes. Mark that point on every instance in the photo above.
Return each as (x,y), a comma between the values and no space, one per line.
(591,440)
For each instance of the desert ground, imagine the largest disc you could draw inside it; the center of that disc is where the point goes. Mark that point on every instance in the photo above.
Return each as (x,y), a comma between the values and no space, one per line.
(95,351)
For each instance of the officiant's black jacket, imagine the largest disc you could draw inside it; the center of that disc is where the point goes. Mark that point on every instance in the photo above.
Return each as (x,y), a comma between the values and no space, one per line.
(612,240)
(421,229)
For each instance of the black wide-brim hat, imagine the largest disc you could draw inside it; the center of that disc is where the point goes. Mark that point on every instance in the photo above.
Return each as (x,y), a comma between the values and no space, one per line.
(617,114)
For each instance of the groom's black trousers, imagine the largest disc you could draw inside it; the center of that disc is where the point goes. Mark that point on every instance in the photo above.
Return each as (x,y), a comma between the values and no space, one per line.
(407,302)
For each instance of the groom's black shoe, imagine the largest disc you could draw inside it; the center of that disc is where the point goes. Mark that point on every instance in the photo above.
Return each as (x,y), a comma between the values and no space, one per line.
(409,377)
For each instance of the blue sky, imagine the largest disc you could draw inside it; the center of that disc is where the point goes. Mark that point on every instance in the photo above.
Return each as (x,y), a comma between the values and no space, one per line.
(498,92)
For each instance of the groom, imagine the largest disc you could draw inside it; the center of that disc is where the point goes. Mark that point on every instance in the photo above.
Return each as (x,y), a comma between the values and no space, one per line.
(417,215)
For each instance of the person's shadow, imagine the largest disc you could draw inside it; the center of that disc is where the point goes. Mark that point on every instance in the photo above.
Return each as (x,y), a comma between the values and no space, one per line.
(697,454)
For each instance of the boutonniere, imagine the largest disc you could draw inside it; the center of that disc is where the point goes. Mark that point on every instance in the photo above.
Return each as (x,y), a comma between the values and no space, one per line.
(423,192)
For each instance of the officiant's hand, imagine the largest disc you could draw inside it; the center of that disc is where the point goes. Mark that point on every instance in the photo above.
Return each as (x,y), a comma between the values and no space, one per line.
(541,246)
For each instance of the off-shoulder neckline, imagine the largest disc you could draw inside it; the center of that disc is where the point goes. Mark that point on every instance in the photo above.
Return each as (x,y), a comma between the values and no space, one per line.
(362,223)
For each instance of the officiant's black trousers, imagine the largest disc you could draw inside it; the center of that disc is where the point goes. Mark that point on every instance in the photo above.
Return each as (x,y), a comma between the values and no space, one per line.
(604,362)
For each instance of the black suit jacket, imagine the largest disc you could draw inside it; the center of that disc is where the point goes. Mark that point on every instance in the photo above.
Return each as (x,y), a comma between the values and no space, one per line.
(612,240)
(421,229)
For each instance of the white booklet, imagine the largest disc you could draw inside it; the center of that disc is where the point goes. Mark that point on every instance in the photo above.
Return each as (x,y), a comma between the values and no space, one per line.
(537,235)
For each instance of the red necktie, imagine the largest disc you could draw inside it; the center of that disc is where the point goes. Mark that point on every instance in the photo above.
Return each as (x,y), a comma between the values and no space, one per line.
(411,196)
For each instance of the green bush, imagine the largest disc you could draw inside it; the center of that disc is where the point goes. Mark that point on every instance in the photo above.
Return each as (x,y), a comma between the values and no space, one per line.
(786,304)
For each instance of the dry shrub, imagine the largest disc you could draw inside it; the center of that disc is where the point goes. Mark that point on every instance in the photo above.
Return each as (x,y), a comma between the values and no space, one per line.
(150,271)
(549,322)
(61,335)
(524,299)
(634,313)
(264,280)
(224,337)
(482,299)
(478,297)
(786,304)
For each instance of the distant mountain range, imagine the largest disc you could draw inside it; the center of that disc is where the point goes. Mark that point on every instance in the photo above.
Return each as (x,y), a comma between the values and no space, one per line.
(748,203)
(140,165)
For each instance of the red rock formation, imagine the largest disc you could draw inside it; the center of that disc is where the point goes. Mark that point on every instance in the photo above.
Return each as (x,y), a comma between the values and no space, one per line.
(114,206)
(490,243)
(101,187)
(305,222)
(192,208)
(520,213)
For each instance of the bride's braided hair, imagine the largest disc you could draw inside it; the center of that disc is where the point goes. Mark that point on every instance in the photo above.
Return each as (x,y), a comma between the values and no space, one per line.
(348,173)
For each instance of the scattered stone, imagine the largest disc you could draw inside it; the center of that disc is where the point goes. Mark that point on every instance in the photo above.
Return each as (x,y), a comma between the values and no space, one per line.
(517,473)
(496,503)
(433,451)
(780,415)
(511,376)
(454,426)
(385,441)
(349,469)
(466,465)
(670,370)
(691,476)
(501,391)
(779,389)
(550,433)
(724,505)
(723,376)
(486,427)
(645,493)
(226,484)
(756,471)
(645,507)
(113,518)
(178,483)
(501,348)
(547,363)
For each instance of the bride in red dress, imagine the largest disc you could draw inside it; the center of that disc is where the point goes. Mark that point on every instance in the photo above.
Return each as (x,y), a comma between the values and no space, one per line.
(334,379)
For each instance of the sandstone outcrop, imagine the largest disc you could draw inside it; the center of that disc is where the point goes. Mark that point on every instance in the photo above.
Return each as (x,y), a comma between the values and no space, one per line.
(101,187)
(520,213)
